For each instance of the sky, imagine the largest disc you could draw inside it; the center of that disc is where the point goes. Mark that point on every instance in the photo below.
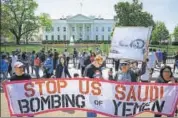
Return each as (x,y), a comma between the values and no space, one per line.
(162,10)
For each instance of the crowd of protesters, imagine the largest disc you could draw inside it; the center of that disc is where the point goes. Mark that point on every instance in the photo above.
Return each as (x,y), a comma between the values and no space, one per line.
(18,66)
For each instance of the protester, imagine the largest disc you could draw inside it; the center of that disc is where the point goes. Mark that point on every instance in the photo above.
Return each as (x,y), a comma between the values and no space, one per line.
(37,64)
(48,66)
(19,76)
(76,75)
(164,57)
(128,75)
(32,61)
(152,60)
(75,57)
(176,63)
(82,64)
(25,61)
(94,71)
(166,76)
(92,57)
(66,53)
(110,74)
(55,59)
(14,59)
(147,76)
(116,63)
(62,69)
(4,67)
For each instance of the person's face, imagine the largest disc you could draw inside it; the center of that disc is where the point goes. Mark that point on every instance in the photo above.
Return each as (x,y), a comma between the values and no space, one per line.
(19,71)
(124,67)
(99,62)
(62,60)
(166,75)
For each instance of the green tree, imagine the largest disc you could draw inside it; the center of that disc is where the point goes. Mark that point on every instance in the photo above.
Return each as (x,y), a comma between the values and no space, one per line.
(131,14)
(175,34)
(19,19)
(160,32)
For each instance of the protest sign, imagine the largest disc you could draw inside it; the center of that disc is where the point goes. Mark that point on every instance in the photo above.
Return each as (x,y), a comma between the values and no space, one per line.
(130,42)
(105,97)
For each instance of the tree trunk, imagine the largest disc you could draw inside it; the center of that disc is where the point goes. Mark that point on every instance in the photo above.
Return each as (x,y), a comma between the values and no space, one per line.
(26,41)
(17,40)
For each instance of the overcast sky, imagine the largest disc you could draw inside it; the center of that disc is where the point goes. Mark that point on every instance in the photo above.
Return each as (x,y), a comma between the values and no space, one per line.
(162,10)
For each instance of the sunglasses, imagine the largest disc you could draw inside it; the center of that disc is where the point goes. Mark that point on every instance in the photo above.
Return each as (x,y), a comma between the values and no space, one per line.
(124,64)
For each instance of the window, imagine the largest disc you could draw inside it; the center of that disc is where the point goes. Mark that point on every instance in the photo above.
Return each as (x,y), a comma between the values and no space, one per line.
(46,37)
(73,36)
(102,37)
(88,38)
(109,37)
(88,29)
(96,28)
(64,29)
(109,29)
(58,29)
(103,29)
(52,29)
(96,37)
(64,37)
(80,28)
(58,37)
(52,37)
(73,29)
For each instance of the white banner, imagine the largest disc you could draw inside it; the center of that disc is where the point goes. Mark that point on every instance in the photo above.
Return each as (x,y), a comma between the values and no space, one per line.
(130,42)
(104,97)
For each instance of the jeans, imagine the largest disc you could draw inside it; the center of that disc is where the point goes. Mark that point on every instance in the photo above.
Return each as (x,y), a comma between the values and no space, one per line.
(37,68)
(75,61)
(91,114)
(4,76)
(32,68)
(26,67)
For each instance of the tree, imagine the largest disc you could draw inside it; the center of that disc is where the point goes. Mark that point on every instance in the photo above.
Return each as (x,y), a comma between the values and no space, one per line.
(131,14)
(19,19)
(160,32)
(175,34)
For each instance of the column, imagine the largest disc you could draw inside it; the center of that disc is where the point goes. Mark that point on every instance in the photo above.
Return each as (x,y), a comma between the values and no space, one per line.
(83,32)
(91,32)
(76,36)
(68,32)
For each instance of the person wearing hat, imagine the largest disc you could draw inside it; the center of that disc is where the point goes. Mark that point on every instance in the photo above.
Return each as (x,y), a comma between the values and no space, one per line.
(127,74)
(94,70)
(166,76)
(20,75)
(19,72)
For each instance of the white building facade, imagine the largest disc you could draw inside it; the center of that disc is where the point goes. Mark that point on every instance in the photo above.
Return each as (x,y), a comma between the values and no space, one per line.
(80,27)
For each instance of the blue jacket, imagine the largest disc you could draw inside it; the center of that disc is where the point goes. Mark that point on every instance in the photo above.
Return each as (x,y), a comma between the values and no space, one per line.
(48,64)
(3,65)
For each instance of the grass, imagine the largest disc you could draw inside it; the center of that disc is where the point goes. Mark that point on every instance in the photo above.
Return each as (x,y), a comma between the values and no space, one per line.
(61,47)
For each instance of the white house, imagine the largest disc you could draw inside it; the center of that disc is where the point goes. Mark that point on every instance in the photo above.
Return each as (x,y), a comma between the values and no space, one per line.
(80,27)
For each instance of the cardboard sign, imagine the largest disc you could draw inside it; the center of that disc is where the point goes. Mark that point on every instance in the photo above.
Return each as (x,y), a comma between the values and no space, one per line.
(130,43)
(105,97)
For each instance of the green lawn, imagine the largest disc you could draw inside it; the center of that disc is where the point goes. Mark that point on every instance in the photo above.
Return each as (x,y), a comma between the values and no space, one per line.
(103,47)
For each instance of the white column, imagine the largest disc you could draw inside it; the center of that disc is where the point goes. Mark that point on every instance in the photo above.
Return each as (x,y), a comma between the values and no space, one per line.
(68,32)
(76,37)
(91,32)
(83,32)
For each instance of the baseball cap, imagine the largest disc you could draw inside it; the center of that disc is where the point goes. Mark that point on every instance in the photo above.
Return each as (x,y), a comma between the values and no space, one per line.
(18,64)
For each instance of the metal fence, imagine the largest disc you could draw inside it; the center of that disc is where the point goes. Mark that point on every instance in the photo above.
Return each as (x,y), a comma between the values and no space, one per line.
(169,60)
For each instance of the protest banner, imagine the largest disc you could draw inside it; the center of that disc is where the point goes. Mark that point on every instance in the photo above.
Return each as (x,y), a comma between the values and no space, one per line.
(108,98)
(130,43)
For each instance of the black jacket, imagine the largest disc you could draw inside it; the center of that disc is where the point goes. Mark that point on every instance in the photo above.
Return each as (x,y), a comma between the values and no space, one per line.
(59,71)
